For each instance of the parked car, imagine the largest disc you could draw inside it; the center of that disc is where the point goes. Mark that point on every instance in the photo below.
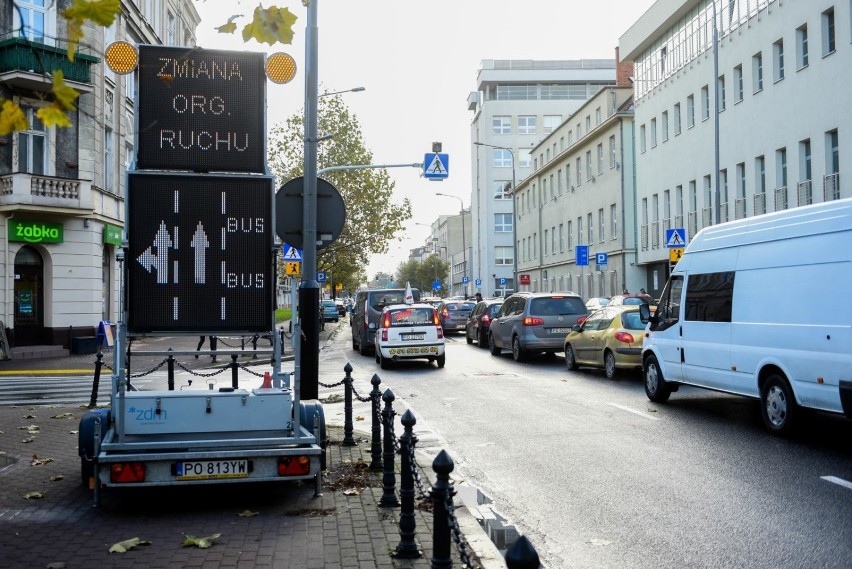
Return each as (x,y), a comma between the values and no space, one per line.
(610,338)
(329,311)
(530,322)
(453,314)
(367,311)
(476,328)
(595,303)
(631,299)
(409,331)
(341,307)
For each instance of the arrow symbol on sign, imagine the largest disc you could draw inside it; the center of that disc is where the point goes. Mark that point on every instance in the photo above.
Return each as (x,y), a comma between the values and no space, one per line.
(200,244)
(158,262)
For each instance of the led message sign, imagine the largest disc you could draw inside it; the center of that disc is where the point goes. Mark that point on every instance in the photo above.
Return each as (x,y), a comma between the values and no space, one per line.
(201,110)
(200,254)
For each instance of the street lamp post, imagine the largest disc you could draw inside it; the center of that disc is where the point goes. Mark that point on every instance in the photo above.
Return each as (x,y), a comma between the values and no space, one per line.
(352,90)
(464,243)
(514,221)
(718,192)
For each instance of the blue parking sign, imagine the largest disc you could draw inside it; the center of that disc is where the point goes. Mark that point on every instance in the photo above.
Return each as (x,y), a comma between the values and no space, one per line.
(502,282)
(321,276)
(600,258)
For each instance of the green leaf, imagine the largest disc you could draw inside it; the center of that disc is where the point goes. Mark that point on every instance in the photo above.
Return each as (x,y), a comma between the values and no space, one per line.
(12,118)
(127,545)
(271,25)
(200,542)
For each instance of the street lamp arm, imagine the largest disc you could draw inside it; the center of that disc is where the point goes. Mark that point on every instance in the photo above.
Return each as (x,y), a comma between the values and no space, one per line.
(366,166)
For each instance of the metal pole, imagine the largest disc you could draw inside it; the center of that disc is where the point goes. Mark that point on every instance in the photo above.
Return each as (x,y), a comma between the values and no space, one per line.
(716,166)
(309,289)
(464,254)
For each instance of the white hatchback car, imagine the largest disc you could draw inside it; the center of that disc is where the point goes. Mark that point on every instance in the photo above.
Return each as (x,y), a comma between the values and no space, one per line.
(409,331)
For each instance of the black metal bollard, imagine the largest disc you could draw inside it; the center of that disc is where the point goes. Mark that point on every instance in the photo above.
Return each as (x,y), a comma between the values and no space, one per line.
(407,547)
(170,362)
(522,555)
(376,446)
(348,439)
(388,499)
(97,379)
(235,368)
(442,491)
(127,362)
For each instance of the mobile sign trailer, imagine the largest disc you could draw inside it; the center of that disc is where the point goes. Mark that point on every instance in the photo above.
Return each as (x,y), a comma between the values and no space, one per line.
(199,258)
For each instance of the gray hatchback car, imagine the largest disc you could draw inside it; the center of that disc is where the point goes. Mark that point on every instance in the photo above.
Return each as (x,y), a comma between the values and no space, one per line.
(535,322)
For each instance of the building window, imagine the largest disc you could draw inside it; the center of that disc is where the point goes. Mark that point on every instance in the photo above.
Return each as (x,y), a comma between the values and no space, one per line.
(588,164)
(588,123)
(568,176)
(544,245)
(723,182)
(109,160)
(802,46)
(664,125)
(677,119)
(778,55)
(757,72)
(570,235)
(600,159)
(760,175)
(805,172)
(741,180)
(551,122)
(32,145)
(524,159)
(828,38)
(504,256)
(642,147)
(527,124)
(653,133)
(502,158)
(591,229)
(601,225)
(171,29)
(690,111)
(721,92)
(579,167)
(833,152)
(32,19)
(502,189)
(705,103)
(580,231)
(501,125)
(570,137)
(612,151)
(738,83)
(613,223)
(781,168)
(597,116)
(561,237)
(559,181)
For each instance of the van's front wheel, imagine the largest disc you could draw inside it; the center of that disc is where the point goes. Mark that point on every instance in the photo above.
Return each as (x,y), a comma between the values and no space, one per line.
(778,405)
(656,387)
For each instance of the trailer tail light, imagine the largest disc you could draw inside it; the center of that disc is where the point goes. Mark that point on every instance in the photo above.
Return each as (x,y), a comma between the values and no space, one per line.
(123,472)
(294,465)
(625,337)
(533,321)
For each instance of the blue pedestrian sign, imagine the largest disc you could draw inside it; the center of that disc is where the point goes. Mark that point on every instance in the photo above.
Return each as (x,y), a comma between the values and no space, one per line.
(321,277)
(436,166)
(582,255)
(478,282)
(291,253)
(600,258)
(465,280)
(676,238)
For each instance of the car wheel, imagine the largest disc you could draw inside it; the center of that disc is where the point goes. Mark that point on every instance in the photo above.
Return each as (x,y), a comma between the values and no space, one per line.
(467,336)
(483,339)
(441,360)
(378,356)
(495,350)
(362,349)
(518,353)
(384,363)
(656,387)
(570,360)
(354,343)
(609,364)
(778,405)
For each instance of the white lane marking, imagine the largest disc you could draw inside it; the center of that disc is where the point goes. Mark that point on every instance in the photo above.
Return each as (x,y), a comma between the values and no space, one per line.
(839,481)
(634,411)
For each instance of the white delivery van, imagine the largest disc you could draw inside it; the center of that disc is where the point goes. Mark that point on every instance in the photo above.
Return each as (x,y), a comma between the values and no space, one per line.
(760,307)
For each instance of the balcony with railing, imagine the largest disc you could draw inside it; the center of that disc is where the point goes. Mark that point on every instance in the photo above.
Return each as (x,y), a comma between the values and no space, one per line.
(804,191)
(723,212)
(643,237)
(706,217)
(739,208)
(655,235)
(691,224)
(678,221)
(25,63)
(36,192)
(760,203)
(831,186)
(781,198)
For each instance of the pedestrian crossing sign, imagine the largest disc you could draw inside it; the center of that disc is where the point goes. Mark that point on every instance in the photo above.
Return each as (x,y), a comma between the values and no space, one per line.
(436,166)
(291,253)
(676,237)
(675,253)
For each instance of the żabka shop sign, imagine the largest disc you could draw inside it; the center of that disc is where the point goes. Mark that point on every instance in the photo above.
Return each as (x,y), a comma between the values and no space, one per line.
(35,231)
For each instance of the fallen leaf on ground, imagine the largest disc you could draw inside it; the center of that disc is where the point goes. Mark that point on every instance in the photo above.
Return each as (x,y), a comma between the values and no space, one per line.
(359,418)
(57,478)
(34,495)
(352,491)
(36,461)
(74,432)
(62,416)
(127,545)
(200,542)
(29,428)
(247,514)
(598,541)
(28,417)
(28,440)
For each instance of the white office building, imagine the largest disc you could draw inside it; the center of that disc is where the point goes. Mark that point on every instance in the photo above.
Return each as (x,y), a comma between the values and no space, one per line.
(781,89)
(517,103)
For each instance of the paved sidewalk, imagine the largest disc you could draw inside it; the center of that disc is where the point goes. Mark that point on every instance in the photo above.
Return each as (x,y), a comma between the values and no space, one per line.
(291,527)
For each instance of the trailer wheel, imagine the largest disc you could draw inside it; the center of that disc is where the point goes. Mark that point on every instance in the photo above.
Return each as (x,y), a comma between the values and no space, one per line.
(778,405)
(307,411)
(86,441)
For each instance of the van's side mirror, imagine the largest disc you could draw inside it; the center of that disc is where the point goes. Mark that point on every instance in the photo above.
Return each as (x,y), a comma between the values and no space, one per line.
(644,313)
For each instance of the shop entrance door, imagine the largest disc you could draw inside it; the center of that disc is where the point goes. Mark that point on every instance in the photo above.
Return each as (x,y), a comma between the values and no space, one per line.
(29,297)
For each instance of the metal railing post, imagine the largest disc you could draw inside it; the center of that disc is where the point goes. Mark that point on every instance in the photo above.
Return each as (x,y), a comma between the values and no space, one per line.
(235,367)
(171,371)
(348,439)
(407,547)
(388,499)
(376,445)
(97,379)
(442,491)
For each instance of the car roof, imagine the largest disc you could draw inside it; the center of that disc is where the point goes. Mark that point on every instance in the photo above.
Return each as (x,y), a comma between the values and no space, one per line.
(403,306)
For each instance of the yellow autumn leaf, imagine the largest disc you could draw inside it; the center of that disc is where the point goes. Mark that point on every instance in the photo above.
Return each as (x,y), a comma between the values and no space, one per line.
(64,95)
(63,415)
(53,116)
(247,514)
(271,25)
(229,27)
(102,12)
(127,545)
(34,495)
(12,118)
(200,542)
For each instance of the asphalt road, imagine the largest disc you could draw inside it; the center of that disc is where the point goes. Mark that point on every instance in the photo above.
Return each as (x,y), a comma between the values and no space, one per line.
(598,476)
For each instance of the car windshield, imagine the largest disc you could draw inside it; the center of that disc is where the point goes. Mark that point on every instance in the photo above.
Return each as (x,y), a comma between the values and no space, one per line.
(632,321)
(412,316)
(391,297)
(557,306)
(635,300)
(493,309)
(460,306)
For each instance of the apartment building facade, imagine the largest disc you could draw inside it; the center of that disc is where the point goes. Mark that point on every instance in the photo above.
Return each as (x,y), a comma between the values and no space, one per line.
(62,190)
(517,103)
(780,88)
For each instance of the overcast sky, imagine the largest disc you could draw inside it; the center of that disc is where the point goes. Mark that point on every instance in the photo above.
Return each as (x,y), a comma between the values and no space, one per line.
(418,62)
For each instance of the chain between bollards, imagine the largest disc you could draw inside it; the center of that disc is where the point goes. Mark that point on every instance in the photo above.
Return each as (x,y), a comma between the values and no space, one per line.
(388,499)
(376,446)
(348,439)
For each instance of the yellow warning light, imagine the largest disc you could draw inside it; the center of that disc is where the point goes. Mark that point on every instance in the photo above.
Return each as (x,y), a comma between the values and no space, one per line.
(121,57)
(280,67)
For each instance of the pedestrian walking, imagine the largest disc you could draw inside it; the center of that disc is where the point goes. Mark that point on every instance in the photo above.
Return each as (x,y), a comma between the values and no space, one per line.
(213,342)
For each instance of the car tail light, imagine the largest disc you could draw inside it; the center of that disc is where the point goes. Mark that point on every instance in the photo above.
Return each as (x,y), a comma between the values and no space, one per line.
(384,334)
(581,319)
(435,318)
(625,337)
(294,465)
(533,321)
(386,321)
(440,332)
(127,472)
